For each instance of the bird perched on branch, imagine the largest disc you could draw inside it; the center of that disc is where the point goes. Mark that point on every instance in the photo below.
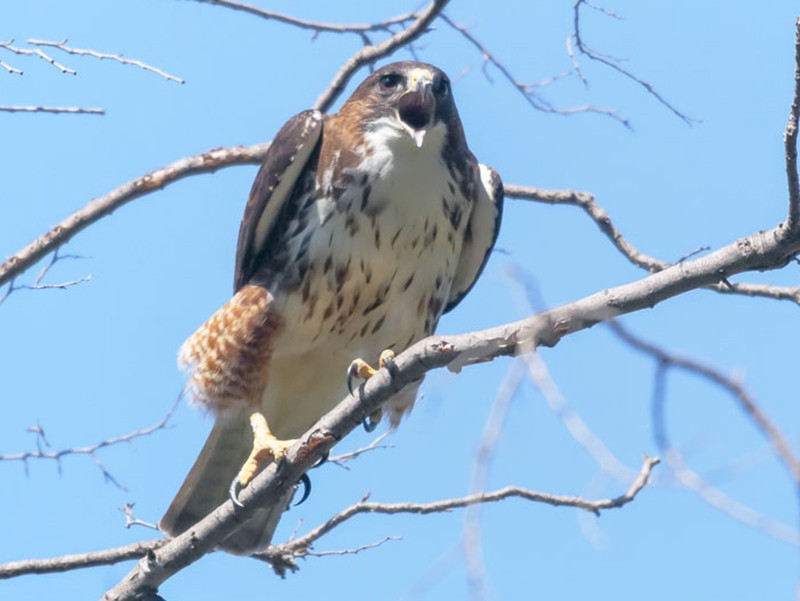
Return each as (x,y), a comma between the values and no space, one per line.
(362,229)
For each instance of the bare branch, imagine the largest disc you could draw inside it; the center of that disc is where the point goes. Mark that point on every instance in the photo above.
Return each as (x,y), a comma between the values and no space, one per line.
(492,430)
(132,520)
(528,91)
(90,450)
(96,209)
(790,141)
(763,250)
(105,56)
(52,109)
(600,216)
(77,561)
(342,459)
(315,26)
(694,482)
(11,70)
(611,61)
(385,539)
(775,437)
(282,553)
(37,52)
(369,54)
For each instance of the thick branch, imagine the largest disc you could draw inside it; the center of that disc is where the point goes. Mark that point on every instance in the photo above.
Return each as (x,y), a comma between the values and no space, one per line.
(764,250)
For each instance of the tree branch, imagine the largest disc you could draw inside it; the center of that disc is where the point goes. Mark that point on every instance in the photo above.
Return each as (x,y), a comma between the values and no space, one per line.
(105,56)
(77,561)
(528,91)
(52,109)
(763,250)
(90,450)
(612,62)
(207,162)
(780,444)
(316,26)
(369,54)
(281,555)
(790,140)
(600,216)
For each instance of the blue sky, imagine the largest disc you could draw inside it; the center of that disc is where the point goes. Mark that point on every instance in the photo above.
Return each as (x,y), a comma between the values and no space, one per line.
(98,360)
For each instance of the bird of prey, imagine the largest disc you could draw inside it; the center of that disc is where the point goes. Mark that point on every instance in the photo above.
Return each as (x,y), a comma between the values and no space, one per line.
(362,228)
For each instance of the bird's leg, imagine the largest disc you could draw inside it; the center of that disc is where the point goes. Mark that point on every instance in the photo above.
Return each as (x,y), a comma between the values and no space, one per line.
(361,369)
(265,447)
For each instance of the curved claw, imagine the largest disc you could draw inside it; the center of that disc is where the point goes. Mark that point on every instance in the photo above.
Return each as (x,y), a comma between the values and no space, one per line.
(352,372)
(233,492)
(387,361)
(322,460)
(369,425)
(306,482)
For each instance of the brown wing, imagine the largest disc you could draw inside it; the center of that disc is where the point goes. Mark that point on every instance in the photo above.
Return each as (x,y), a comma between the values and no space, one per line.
(286,158)
(480,236)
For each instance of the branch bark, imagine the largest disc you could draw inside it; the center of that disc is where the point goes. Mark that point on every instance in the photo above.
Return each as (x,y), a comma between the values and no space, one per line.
(763,250)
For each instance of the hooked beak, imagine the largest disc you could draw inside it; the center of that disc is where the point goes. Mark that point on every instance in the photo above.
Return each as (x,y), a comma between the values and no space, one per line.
(417,106)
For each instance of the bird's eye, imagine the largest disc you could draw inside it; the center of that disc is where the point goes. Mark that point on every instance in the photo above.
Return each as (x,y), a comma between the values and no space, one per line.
(389,81)
(442,88)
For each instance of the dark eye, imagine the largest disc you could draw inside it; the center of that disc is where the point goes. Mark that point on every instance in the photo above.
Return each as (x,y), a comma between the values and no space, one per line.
(389,81)
(442,89)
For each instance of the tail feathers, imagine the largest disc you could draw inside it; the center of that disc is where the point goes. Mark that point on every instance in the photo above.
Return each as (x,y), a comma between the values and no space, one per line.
(206,488)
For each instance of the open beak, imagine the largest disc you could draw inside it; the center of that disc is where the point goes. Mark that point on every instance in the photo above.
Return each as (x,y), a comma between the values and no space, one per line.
(417,106)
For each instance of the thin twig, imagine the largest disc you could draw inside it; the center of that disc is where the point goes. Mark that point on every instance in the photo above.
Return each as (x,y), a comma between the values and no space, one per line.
(369,54)
(354,551)
(10,69)
(53,109)
(105,56)
(36,52)
(695,483)
(492,431)
(790,141)
(528,91)
(612,62)
(769,430)
(90,450)
(315,26)
(286,551)
(342,459)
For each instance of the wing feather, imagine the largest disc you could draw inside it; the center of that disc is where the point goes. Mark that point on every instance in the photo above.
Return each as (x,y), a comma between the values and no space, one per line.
(285,160)
(480,235)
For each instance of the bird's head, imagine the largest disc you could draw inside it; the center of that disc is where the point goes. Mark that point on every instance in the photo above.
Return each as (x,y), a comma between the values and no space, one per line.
(411,97)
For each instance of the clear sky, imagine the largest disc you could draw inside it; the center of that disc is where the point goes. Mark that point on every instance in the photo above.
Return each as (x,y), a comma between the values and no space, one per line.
(98,360)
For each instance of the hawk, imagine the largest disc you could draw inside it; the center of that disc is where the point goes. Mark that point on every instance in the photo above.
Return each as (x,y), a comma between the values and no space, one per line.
(362,228)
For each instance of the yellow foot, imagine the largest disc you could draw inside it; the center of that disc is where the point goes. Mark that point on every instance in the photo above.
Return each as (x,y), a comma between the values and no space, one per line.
(266,448)
(361,369)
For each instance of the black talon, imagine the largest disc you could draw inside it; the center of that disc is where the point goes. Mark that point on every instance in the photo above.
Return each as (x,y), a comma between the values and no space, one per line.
(233,492)
(369,425)
(391,367)
(306,482)
(322,460)
(351,373)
